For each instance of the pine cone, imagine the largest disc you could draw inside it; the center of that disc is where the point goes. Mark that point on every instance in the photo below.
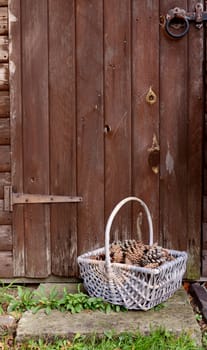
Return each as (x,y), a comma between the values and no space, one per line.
(98,257)
(116,253)
(155,255)
(133,252)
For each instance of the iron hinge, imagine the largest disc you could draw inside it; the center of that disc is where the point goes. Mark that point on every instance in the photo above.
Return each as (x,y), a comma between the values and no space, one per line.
(177,21)
(11,198)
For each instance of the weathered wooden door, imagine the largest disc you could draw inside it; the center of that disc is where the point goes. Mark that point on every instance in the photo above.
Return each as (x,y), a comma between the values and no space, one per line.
(81,75)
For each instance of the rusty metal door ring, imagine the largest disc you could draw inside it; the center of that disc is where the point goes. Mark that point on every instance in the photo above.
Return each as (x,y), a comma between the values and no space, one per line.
(177,22)
(178,19)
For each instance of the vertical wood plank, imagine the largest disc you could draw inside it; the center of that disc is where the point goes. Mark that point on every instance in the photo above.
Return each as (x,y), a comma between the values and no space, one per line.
(35,133)
(62,135)
(90,128)
(16,131)
(194,147)
(173,136)
(117,55)
(145,74)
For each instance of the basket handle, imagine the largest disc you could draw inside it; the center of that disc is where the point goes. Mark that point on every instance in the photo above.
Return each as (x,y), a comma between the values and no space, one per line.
(110,221)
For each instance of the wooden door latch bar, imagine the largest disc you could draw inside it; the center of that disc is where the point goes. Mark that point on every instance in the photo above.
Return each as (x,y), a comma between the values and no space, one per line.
(177,21)
(11,198)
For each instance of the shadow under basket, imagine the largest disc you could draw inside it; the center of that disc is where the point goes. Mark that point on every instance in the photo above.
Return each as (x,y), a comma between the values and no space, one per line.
(131,286)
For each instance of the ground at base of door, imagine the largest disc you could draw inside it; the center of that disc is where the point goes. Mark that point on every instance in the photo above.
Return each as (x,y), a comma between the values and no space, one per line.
(177,316)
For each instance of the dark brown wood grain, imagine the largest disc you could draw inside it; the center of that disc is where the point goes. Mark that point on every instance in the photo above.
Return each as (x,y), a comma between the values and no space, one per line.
(6,264)
(205,209)
(194,148)
(4,131)
(4,50)
(90,123)
(173,136)
(117,62)
(36,134)
(3,2)
(4,104)
(5,180)
(5,158)
(5,237)
(145,127)
(16,133)
(63,135)
(81,125)
(3,21)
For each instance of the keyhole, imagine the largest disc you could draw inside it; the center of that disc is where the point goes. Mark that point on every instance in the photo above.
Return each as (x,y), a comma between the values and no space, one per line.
(107,128)
(151,96)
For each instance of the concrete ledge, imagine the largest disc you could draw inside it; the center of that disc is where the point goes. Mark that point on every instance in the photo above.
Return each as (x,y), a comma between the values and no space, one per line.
(177,316)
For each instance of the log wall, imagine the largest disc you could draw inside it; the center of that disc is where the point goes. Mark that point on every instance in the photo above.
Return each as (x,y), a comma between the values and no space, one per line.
(6,268)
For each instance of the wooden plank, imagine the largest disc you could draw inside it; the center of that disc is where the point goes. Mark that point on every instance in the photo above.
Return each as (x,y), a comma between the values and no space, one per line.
(4,104)
(205,153)
(205,180)
(173,137)
(16,131)
(194,148)
(4,76)
(35,134)
(117,24)
(5,180)
(4,49)
(5,161)
(204,262)
(205,209)
(5,216)
(6,264)
(3,2)
(90,124)
(5,237)
(4,131)
(204,224)
(205,125)
(62,135)
(3,20)
(204,234)
(145,74)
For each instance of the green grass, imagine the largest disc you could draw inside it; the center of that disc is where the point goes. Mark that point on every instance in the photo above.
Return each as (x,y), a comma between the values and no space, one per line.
(17,299)
(157,340)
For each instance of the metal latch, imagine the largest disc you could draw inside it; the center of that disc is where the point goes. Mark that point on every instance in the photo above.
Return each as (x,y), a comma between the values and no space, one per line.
(11,198)
(177,20)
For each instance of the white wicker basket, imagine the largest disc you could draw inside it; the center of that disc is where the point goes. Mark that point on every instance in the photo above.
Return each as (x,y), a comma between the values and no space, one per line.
(129,285)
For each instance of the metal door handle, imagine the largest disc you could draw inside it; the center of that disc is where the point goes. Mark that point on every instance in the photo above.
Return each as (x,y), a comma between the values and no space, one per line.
(179,19)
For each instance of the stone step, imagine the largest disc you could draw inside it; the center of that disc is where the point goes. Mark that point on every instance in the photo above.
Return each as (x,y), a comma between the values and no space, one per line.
(177,316)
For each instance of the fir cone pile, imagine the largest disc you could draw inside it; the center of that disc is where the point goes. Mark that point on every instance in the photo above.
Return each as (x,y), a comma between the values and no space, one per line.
(134,252)
(155,256)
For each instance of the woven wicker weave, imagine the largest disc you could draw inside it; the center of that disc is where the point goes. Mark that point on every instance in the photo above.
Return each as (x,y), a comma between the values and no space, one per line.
(129,285)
